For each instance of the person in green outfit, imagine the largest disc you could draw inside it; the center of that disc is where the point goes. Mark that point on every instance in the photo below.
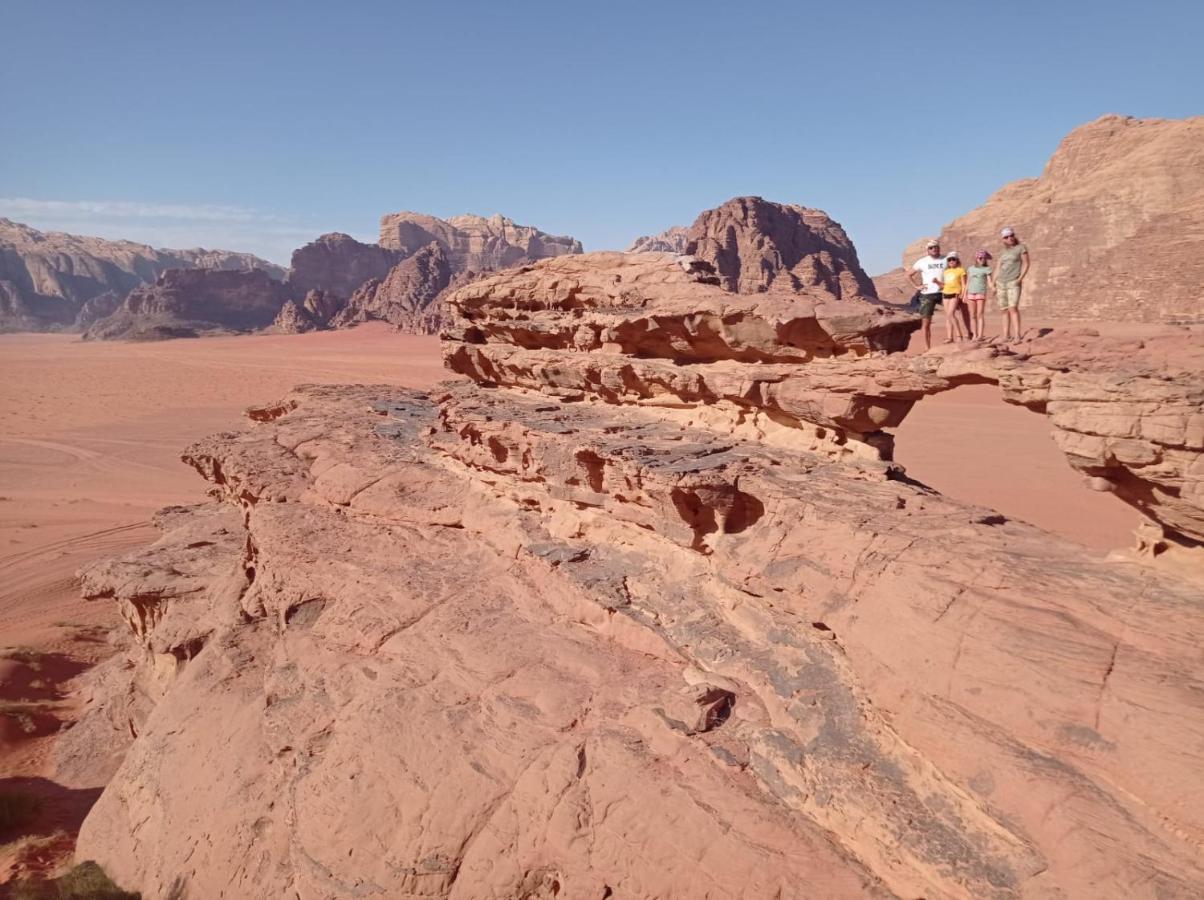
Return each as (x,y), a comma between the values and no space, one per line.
(978,283)
(1009,278)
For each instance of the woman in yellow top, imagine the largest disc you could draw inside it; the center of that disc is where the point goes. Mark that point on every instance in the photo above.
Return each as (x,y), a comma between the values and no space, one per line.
(953,293)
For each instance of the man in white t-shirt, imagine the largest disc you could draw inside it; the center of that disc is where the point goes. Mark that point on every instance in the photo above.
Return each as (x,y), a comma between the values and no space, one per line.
(928,276)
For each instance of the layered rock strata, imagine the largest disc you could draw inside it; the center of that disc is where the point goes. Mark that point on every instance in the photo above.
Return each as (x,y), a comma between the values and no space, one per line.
(671,240)
(337,264)
(560,631)
(53,281)
(407,294)
(473,243)
(755,244)
(192,303)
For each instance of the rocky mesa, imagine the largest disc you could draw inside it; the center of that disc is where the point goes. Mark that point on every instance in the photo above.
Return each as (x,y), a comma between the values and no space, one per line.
(641,607)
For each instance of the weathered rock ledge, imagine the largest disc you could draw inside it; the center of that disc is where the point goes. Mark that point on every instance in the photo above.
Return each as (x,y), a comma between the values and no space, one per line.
(579,629)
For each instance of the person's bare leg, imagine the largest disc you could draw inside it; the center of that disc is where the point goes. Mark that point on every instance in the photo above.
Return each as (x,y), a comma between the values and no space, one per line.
(1019,329)
(927,329)
(980,320)
(964,309)
(951,322)
(1013,324)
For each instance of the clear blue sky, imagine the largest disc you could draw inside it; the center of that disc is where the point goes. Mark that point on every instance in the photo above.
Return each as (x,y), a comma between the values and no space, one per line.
(258,125)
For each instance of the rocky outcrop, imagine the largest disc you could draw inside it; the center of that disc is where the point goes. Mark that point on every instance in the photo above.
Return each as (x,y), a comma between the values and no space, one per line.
(313,313)
(404,295)
(338,264)
(192,303)
(755,245)
(473,243)
(671,240)
(455,644)
(53,281)
(1120,201)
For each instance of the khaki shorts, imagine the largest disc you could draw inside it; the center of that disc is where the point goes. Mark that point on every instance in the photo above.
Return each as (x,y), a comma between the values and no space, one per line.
(1008,294)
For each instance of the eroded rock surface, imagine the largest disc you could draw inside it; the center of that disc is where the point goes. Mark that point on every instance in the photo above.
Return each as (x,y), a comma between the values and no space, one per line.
(1119,199)
(671,240)
(406,293)
(755,244)
(643,609)
(194,302)
(48,279)
(337,264)
(473,243)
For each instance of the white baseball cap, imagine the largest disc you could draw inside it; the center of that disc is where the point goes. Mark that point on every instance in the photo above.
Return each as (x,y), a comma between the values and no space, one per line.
(1007,232)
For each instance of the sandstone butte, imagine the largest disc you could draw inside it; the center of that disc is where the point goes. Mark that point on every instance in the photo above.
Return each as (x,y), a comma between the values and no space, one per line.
(401,279)
(1115,224)
(643,608)
(51,281)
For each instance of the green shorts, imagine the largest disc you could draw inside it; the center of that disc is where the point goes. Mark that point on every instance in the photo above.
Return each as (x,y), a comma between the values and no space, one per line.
(928,304)
(1008,293)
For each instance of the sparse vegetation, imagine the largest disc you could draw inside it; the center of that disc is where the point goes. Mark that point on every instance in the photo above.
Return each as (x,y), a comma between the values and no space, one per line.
(87,881)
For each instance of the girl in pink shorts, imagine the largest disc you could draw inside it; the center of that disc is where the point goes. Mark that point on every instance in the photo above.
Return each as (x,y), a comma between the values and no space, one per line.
(978,281)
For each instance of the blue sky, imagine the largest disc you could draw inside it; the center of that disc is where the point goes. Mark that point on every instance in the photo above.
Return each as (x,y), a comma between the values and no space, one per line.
(259,125)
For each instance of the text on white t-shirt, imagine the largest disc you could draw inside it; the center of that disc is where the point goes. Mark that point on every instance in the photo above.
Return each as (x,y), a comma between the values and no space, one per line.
(932,273)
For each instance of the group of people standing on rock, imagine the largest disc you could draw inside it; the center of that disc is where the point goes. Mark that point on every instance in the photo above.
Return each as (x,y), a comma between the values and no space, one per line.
(942,279)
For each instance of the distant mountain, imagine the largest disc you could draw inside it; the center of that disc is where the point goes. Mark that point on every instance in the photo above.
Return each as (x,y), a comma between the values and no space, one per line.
(473,243)
(756,245)
(671,240)
(47,279)
(193,303)
(339,282)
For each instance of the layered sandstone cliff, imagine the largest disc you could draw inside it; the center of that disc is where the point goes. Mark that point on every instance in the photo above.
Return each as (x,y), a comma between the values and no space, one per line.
(643,609)
(473,243)
(756,245)
(671,240)
(192,303)
(1115,223)
(338,264)
(49,280)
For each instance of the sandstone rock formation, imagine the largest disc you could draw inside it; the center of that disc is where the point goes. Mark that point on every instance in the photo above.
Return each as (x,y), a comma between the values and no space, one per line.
(473,243)
(671,240)
(48,278)
(404,295)
(311,314)
(401,280)
(194,302)
(338,264)
(755,244)
(1120,201)
(643,610)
